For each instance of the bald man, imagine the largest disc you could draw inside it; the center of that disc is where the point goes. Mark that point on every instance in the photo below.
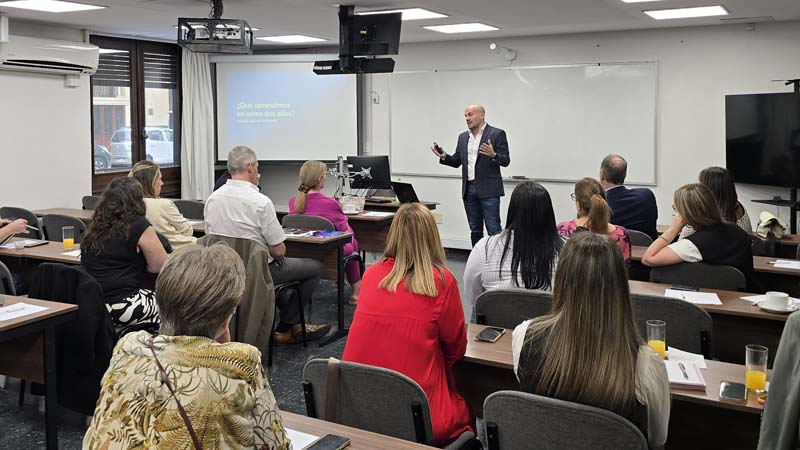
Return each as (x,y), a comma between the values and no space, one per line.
(480,152)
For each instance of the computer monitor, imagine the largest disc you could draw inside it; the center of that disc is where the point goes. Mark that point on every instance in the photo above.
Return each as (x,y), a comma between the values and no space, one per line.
(376,35)
(375,173)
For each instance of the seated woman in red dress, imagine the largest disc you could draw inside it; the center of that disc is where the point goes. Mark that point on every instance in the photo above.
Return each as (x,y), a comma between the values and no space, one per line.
(409,319)
(313,202)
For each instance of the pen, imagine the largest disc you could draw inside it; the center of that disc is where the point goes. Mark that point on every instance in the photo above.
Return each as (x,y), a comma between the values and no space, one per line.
(683,369)
(31,228)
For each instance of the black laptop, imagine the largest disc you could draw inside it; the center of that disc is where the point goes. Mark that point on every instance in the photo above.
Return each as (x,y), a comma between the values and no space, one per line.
(404,192)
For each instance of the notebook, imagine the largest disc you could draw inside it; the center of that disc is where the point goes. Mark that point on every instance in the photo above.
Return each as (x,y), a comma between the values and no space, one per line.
(684,375)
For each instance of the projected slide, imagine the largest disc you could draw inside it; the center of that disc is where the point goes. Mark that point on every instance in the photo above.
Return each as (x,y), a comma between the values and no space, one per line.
(284,111)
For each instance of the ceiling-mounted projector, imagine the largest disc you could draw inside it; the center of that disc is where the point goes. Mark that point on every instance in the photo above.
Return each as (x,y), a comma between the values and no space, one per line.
(361,38)
(215,34)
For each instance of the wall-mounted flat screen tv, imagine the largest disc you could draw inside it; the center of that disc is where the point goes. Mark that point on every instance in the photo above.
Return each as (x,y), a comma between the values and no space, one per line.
(763,138)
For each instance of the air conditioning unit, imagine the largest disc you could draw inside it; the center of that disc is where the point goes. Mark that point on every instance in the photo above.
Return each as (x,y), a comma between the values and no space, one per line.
(48,56)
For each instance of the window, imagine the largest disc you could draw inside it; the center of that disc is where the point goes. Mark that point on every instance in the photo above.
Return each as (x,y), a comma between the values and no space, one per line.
(136,110)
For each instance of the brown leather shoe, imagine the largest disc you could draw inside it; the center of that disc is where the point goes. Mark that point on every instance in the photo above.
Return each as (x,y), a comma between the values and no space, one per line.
(313,331)
(285,338)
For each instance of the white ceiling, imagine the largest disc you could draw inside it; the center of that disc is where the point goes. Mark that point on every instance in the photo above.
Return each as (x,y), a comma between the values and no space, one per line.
(155,18)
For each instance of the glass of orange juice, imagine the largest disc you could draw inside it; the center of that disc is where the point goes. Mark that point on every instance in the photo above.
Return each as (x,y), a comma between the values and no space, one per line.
(657,336)
(68,237)
(756,368)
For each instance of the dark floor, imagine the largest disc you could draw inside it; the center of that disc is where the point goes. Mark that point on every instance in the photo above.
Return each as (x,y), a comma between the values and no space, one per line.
(23,428)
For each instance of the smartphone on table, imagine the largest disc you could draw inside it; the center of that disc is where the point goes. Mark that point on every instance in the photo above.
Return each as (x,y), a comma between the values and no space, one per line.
(490,334)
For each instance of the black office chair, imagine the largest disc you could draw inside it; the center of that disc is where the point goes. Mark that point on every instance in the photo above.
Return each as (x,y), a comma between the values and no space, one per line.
(53,223)
(89,201)
(701,275)
(191,209)
(508,308)
(11,212)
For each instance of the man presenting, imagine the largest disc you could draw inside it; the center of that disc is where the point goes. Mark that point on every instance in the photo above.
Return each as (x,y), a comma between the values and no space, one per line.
(481,151)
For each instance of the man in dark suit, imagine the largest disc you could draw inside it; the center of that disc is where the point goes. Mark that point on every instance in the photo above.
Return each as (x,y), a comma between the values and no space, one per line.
(634,209)
(480,153)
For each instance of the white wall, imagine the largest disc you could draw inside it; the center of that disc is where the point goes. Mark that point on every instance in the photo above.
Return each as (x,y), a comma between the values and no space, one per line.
(45,136)
(697,68)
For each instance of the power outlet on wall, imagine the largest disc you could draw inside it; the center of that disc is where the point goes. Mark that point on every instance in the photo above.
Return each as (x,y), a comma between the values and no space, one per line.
(375,97)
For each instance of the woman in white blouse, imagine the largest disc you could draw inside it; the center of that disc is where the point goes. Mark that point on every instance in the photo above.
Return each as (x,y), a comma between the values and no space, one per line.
(525,254)
(161,212)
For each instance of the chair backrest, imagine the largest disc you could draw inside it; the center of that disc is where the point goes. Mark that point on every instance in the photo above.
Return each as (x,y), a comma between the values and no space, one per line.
(191,209)
(639,239)
(759,246)
(253,321)
(11,212)
(6,282)
(371,398)
(53,223)
(688,325)
(702,275)
(508,308)
(307,221)
(516,420)
(89,201)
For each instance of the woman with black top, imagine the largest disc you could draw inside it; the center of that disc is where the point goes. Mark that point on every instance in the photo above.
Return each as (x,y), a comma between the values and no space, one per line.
(714,241)
(119,248)
(720,182)
(587,349)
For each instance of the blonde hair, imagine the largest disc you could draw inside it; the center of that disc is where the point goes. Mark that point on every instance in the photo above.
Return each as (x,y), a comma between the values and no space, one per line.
(198,289)
(310,174)
(592,202)
(590,337)
(696,204)
(146,172)
(414,244)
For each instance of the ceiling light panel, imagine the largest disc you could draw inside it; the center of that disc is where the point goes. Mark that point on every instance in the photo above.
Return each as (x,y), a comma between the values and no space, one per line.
(408,14)
(291,39)
(462,28)
(54,6)
(687,13)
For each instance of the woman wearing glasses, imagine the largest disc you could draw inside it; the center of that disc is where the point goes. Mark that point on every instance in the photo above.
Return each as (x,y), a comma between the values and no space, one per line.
(594,215)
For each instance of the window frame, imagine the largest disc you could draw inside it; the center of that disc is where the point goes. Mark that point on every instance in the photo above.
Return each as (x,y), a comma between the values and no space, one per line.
(136,48)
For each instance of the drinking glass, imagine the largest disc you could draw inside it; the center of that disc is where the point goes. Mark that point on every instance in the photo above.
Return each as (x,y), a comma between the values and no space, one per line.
(68,237)
(657,336)
(756,368)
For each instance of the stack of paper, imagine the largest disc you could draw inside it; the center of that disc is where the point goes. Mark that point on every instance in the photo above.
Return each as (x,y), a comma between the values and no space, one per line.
(299,439)
(75,253)
(673,354)
(377,214)
(19,310)
(26,243)
(787,264)
(684,375)
(698,298)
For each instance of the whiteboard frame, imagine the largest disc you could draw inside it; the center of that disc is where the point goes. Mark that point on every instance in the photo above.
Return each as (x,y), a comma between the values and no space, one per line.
(548,66)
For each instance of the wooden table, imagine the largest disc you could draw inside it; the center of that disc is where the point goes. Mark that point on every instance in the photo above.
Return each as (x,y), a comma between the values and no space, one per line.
(394,206)
(83,214)
(359,439)
(370,231)
(28,352)
(736,322)
(698,419)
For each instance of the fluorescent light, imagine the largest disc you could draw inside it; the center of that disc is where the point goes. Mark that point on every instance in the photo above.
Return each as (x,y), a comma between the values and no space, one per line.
(639,1)
(408,14)
(684,13)
(462,28)
(54,6)
(219,26)
(291,39)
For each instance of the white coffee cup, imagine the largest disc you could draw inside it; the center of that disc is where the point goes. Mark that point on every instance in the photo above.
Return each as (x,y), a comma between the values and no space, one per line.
(349,208)
(777,300)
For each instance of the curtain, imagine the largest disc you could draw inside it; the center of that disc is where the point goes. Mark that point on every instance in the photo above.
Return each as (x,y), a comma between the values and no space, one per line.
(197,130)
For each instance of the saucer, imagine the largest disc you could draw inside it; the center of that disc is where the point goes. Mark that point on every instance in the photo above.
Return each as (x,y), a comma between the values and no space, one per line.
(784,310)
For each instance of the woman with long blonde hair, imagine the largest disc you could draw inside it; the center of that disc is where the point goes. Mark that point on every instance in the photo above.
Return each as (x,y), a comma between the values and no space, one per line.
(161,212)
(410,319)
(587,349)
(594,215)
(714,240)
(310,200)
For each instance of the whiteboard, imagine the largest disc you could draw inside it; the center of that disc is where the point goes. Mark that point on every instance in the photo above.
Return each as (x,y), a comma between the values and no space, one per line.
(560,120)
